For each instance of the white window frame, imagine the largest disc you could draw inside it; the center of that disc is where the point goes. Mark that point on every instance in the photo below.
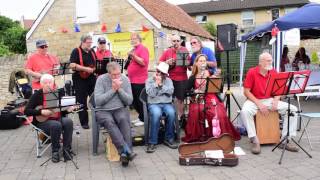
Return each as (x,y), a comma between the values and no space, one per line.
(201,16)
(87,11)
(244,18)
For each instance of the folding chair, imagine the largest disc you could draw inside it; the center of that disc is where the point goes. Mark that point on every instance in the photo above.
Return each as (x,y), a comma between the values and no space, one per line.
(41,147)
(143,98)
(310,116)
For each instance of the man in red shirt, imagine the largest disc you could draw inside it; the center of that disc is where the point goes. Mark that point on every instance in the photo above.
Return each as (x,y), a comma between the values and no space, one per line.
(40,62)
(138,72)
(178,74)
(255,86)
(102,51)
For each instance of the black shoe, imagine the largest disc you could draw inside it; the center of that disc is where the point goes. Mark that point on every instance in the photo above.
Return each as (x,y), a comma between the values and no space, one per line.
(67,155)
(124,160)
(131,156)
(170,144)
(151,148)
(85,126)
(55,157)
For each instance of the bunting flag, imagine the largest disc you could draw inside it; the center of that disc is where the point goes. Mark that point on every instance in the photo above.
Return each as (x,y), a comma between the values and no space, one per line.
(76,27)
(118,28)
(64,30)
(104,28)
(162,34)
(145,29)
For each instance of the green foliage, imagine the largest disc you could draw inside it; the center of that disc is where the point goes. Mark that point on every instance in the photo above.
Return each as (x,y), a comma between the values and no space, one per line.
(315,58)
(211,28)
(4,50)
(12,36)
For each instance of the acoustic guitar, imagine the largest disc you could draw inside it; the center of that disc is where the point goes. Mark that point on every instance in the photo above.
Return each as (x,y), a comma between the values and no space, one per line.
(70,109)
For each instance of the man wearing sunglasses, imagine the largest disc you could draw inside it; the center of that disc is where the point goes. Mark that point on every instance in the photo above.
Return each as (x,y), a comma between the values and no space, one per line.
(178,74)
(198,48)
(40,62)
(102,51)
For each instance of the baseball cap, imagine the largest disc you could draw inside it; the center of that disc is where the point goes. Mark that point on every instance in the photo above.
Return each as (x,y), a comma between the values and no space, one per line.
(101,39)
(41,42)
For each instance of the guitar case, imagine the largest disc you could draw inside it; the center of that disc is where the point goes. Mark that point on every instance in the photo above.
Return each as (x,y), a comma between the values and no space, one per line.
(193,153)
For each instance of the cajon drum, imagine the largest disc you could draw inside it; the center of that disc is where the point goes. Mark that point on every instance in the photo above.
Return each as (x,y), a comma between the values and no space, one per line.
(267,127)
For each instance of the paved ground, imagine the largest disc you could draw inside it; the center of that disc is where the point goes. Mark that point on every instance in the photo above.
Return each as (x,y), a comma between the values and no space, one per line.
(18,160)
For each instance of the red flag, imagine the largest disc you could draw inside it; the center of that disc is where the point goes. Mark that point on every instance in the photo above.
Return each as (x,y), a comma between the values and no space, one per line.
(104,27)
(64,30)
(144,29)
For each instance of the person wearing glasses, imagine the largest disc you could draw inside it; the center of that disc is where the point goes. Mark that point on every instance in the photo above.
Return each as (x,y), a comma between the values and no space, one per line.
(198,48)
(138,73)
(178,74)
(113,94)
(82,61)
(160,89)
(102,51)
(40,62)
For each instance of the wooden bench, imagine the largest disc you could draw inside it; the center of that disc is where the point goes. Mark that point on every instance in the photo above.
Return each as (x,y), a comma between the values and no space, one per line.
(267,127)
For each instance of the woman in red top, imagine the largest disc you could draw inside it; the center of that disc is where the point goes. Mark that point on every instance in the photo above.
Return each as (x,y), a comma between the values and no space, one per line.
(200,124)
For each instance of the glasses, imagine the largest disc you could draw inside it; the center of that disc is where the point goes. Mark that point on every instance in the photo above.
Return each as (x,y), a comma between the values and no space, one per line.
(175,40)
(194,42)
(102,42)
(43,47)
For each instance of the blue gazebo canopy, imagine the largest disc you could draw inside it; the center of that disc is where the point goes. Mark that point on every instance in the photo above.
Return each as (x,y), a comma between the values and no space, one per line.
(306,18)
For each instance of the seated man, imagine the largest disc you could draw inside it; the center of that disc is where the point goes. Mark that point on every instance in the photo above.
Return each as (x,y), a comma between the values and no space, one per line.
(113,94)
(49,121)
(160,89)
(254,89)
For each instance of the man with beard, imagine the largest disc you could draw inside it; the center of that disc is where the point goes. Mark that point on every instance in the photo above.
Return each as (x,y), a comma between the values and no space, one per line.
(198,48)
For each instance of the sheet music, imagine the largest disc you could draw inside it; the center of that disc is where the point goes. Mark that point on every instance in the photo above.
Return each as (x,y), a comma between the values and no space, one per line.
(68,101)
(214,154)
(298,82)
(239,151)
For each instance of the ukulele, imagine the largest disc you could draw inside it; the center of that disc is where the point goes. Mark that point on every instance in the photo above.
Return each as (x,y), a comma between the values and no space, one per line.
(69,109)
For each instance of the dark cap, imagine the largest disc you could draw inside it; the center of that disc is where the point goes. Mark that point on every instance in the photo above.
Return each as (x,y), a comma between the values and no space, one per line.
(41,42)
(101,39)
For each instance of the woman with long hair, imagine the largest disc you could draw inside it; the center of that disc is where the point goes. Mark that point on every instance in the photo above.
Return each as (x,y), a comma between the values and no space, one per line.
(207,114)
(284,59)
(300,57)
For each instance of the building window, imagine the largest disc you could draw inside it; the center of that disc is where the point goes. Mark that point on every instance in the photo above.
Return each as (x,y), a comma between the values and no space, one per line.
(275,13)
(247,18)
(201,19)
(87,11)
(289,10)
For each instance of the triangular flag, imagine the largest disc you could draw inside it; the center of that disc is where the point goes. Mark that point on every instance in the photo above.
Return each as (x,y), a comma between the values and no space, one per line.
(104,27)
(144,29)
(64,30)
(76,28)
(118,28)
(162,34)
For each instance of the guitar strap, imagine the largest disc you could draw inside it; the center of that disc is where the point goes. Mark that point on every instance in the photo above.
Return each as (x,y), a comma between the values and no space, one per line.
(81,59)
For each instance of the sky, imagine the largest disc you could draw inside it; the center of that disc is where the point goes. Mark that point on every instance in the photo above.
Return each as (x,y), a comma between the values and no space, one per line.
(30,9)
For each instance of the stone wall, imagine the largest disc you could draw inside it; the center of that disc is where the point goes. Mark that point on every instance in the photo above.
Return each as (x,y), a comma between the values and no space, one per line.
(7,65)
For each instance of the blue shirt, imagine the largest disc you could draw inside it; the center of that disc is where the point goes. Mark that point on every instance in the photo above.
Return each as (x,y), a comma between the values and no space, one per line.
(210,55)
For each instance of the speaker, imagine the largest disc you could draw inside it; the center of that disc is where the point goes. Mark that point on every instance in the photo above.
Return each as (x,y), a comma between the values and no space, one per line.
(227,36)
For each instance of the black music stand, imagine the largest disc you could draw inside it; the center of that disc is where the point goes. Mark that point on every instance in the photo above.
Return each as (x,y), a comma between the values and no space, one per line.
(213,85)
(287,83)
(101,65)
(53,101)
(182,58)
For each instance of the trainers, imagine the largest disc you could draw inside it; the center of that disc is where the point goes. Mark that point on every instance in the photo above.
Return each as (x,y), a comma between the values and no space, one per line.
(85,126)
(151,148)
(289,147)
(134,121)
(139,123)
(124,160)
(255,149)
(170,144)
(55,157)
(131,156)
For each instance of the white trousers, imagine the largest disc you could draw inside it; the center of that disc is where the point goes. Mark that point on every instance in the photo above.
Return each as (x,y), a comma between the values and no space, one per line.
(249,109)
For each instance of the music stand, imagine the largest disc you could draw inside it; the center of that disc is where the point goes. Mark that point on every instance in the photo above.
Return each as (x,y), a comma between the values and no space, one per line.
(53,101)
(287,83)
(182,58)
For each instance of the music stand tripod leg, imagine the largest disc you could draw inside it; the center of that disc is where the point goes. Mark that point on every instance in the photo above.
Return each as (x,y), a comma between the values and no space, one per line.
(69,156)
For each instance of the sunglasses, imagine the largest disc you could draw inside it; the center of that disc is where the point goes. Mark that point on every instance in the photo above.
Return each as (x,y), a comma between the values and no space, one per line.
(102,42)
(175,40)
(194,42)
(44,46)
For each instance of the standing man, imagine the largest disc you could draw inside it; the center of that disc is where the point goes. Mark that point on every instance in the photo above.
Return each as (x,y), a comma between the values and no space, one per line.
(255,85)
(138,73)
(102,51)
(198,48)
(178,74)
(40,62)
(82,61)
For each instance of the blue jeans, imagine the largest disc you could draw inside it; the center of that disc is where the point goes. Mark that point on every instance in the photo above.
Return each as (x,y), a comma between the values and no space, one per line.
(155,112)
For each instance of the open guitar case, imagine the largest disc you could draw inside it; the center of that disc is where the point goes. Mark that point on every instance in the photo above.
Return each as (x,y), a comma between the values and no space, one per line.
(194,153)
